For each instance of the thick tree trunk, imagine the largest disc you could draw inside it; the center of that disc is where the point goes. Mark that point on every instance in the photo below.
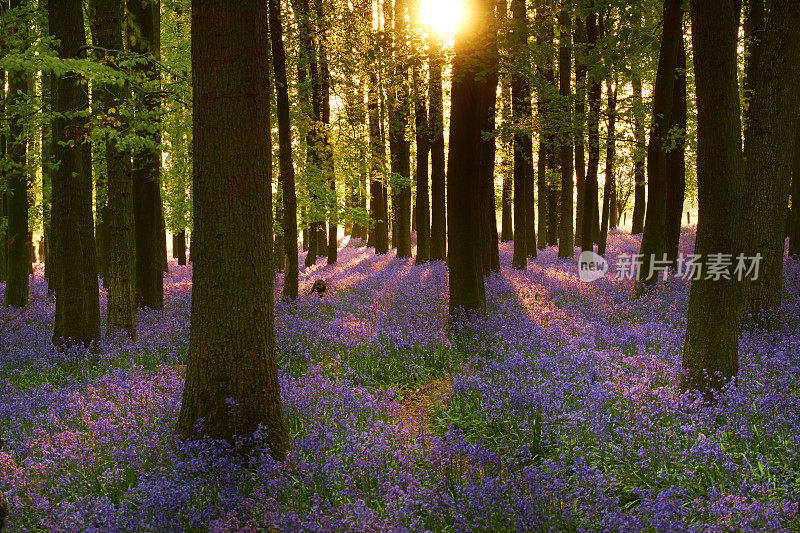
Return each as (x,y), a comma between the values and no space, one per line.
(639,158)
(794,224)
(436,125)
(77,319)
(18,252)
(609,209)
(179,247)
(590,210)
(653,239)
(120,278)
(676,163)
(566,240)
(490,252)
(710,354)
(769,147)
(231,372)
(3,196)
(143,36)
(474,53)
(523,144)
(290,276)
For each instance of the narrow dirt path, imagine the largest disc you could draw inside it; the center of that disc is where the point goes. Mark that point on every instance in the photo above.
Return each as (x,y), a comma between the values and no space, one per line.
(418,406)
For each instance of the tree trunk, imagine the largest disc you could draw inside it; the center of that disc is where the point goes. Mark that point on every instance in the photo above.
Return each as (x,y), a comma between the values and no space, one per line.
(231,372)
(676,162)
(523,144)
(639,158)
(120,279)
(290,276)
(580,122)
(436,125)
(422,211)
(653,239)
(566,241)
(77,319)
(794,224)
(143,36)
(769,147)
(179,247)
(3,196)
(399,146)
(475,43)
(544,32)
(507,199)
(18,253)
(608,187)
(490,252)
(590,209)
(710,353)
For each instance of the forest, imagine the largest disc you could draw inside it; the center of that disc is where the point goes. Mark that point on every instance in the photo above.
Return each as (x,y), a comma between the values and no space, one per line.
(399,265)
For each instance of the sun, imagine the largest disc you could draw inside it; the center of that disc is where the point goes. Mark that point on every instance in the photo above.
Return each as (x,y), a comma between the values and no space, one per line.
(442,16)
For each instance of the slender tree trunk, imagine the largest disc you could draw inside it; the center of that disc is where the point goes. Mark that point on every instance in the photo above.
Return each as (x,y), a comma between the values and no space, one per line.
(18,258)
(580,123)
(179,246)
(231,372)
(474,52)
(143,35)
(676,162)
(710,353)
(290,276)
(608,189)
(523,144)
(595,92)
(653,240)
(544,32)
(77,319)
(436,125)
(120,280)
(639,158)
(566,236)
(769,147)
(490,252)
(507,143)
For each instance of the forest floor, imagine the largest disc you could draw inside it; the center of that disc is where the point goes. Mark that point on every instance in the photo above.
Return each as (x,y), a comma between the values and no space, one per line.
(558,410)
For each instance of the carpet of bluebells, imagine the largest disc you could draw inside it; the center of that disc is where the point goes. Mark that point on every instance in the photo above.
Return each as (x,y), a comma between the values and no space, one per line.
(563,413)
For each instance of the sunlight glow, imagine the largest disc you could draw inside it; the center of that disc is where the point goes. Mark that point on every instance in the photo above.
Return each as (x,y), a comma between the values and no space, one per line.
(442,16)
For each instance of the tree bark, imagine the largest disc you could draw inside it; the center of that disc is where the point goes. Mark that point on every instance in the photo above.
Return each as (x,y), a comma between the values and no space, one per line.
(710,354)
(794,224)
(422,208)
(290,276)
(653,239)
(77,319)
(490,252)
(580,123)
(143,36)
(120,279)
(231,372)
(474,44)
(769,147)
(507,217)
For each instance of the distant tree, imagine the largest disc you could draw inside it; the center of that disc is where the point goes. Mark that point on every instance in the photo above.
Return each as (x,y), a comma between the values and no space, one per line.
(523,147)
(120,279)
(231,372)
(676,161)
(590,209)
(143,37)
(74,272)
(507,144)
(378,193)
(653,239)
(710,354)
(566,236)
(436,128)
(639,178)
(290,277)
(18,185)
(422,205)
(609,200)
(470,103)
(580,123)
